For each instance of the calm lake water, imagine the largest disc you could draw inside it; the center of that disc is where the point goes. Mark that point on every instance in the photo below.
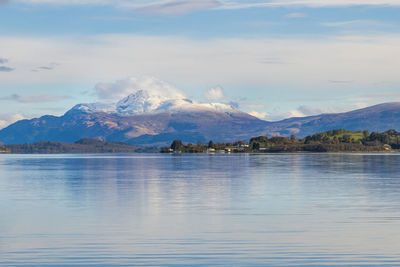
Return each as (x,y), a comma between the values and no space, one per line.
(151,209)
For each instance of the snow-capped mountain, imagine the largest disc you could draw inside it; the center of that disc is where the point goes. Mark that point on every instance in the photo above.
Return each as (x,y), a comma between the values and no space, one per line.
(143,102)
(93,108)
(139,118)
(143,118)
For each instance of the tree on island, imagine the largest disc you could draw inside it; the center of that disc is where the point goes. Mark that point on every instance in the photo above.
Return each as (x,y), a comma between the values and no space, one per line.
(338,140)
(211,144)
(177,145)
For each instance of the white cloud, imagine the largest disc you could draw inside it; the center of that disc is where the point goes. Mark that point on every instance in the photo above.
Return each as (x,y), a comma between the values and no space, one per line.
(7,119)
(260,115)
(382,96)
(178,7)
(184,6)
(158,7)
(253,106)
(277,116)
(47,67)
(72,2)
(215,93)
(356,24)
(295,15)
(310,3)
(122,88)
(362,59)
(6,69)
(34,98)
(305,111)
(4,61)
(310,110)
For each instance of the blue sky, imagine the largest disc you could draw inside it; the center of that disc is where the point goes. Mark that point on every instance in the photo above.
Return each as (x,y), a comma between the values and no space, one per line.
(275,59)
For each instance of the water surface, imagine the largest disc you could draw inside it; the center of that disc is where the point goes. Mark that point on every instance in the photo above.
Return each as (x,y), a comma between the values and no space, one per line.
(151,209)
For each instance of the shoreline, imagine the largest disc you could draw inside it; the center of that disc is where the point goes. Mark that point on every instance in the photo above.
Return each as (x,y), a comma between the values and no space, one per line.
(211,154)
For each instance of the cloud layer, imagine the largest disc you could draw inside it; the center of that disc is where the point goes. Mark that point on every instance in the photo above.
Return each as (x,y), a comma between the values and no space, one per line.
(122,88)
(34,98)
(215,93)
(295,15)
(178,7)
(5,69)
(187,6)
(260,115)
(7,119)
(304,111)
(360,59)
(48,67)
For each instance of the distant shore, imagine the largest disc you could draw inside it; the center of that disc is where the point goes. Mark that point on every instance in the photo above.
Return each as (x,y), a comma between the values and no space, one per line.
(334,141)
(83,146)
(331,141)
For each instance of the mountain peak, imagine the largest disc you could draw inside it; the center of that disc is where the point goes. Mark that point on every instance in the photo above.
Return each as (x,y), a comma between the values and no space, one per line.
(139,102)
(92,108)
(143,102)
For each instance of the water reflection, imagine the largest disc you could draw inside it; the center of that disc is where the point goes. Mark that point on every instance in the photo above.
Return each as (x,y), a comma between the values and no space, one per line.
(284,209)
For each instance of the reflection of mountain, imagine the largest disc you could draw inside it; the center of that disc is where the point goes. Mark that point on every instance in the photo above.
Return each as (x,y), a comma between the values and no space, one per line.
(142,118)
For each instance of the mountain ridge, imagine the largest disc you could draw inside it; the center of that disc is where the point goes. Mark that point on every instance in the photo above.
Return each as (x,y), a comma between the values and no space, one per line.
(145,120)
(378,117)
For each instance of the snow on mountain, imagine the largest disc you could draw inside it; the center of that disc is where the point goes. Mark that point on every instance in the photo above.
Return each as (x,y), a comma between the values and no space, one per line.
(162,122)
(140,102)
(143,102)
(94,107)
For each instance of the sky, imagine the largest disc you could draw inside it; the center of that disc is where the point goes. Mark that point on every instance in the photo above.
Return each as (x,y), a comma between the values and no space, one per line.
(272,58)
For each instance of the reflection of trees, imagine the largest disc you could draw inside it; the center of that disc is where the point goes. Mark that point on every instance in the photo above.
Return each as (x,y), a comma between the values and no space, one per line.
(155,184)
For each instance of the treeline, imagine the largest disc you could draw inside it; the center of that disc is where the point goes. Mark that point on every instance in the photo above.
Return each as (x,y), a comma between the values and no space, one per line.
(178,146)
(86,145)
(331,141)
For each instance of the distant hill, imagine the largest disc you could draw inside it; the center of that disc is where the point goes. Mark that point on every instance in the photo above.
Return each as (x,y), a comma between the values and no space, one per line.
(378,118)
(143,119)
(81,146)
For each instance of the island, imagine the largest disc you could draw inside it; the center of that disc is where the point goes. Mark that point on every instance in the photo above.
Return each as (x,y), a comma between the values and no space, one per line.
(82,146)
(339,140)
